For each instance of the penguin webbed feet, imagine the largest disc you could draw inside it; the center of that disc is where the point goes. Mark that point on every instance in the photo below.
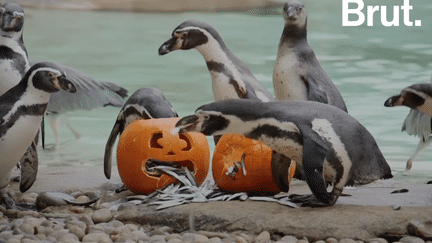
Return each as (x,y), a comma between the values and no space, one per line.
(6,201)
(311,201)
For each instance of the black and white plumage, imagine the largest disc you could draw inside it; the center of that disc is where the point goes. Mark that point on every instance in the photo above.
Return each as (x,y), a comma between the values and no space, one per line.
(145,103)
(14,62)
(298,74)
(418,122)
(21,110)
(231,78)
(328,145)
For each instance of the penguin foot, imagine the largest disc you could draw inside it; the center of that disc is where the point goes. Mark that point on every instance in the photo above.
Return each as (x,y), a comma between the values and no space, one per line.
(6,201)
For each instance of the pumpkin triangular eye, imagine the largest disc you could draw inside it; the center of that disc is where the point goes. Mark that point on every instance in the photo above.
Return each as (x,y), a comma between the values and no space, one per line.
(188,143)
(154,140)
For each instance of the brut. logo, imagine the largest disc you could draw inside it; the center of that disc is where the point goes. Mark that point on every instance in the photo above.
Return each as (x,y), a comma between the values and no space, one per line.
(386,20)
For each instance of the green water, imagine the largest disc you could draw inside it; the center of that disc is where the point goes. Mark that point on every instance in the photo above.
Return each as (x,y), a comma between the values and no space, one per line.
(367,64)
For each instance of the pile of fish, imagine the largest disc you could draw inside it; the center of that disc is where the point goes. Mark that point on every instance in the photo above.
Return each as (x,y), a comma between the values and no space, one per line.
(188,191)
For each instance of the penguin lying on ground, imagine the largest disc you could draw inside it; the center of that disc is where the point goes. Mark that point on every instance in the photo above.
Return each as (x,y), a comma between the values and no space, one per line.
(21,110)
(231,78)
(297,74)
(145,103)
(14,62)
(418,122)
(328,145)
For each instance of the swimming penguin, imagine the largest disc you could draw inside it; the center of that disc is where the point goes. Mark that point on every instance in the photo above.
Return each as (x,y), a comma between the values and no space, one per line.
(14,63)
(145,103)
(231,78)
(418,122)
(328,145)
(297,74)
(21,110)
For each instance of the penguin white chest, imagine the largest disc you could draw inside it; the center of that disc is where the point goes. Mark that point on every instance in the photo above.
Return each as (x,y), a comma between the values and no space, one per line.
(16,140)
(222,89)
(9,76)
(286,77)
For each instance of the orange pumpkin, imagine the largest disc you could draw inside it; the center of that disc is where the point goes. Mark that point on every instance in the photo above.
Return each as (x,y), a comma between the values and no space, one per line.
(144,141)
(254,176)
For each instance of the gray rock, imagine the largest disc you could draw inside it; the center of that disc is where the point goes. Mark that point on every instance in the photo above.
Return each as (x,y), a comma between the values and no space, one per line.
(46,199)
(175,241)
(215,240)
(97,237)
(331,240)
(101,215)
(239,239)
(116,223)
(157,238)
(78,231)
(190,237)
(27,228)
(320,241)
(379,240)
(263,237)
(97,229)
(346,240)
(201,238)
(173,236)
(411,239)
(140,235)
(289,239)
(420,229)
(13,240)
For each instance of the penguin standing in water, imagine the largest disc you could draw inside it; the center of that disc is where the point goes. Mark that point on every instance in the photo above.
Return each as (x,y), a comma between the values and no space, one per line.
(328,145)
(418,122)
(21,110)
(231,78)
(297,74)
(145,103)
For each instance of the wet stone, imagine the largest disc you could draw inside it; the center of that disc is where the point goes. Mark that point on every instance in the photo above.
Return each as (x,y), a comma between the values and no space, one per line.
(289,239)
(157,238)
(346,240)
(379,240)
(97,237)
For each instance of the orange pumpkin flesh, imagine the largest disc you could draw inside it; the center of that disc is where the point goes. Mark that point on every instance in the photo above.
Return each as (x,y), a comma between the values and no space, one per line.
(255,176)
(149,142)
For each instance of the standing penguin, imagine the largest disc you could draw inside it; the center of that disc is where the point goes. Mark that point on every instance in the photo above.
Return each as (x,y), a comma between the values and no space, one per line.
(21,110)
(328,145)
(418,122)
(231,78)
(14,63)
(145,103)
(297,74)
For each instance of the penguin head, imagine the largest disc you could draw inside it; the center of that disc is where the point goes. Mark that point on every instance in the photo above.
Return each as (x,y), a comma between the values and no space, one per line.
(47,77)
(413,96)
(11,17)
(190,34)
(294,13)
(226,116)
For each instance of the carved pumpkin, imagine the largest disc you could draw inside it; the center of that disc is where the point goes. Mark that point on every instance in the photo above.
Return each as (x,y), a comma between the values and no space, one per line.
(255,175)
(146,141)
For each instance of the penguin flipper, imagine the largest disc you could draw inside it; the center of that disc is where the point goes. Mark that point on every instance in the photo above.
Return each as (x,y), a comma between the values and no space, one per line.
(314,154)
(108,148)
(29,167)
(315,93)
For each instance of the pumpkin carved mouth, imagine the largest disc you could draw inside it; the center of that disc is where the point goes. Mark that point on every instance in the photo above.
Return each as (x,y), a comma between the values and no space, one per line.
(150,164)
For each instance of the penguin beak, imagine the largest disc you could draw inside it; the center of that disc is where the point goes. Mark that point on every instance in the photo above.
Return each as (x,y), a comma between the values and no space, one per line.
(186,124)
(61,82)
(396,100)
(168,46)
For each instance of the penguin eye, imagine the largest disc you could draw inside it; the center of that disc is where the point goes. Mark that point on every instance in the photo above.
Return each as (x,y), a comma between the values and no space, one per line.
(51,75)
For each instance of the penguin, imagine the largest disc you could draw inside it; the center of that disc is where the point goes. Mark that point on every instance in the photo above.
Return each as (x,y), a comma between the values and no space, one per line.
(21,110)
(14,63)
(231,78)
(145,103)
(418,98)
(297,73)
(328,145)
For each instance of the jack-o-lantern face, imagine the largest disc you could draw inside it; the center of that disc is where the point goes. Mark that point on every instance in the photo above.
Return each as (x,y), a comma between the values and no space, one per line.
(148,143)
(242,164)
